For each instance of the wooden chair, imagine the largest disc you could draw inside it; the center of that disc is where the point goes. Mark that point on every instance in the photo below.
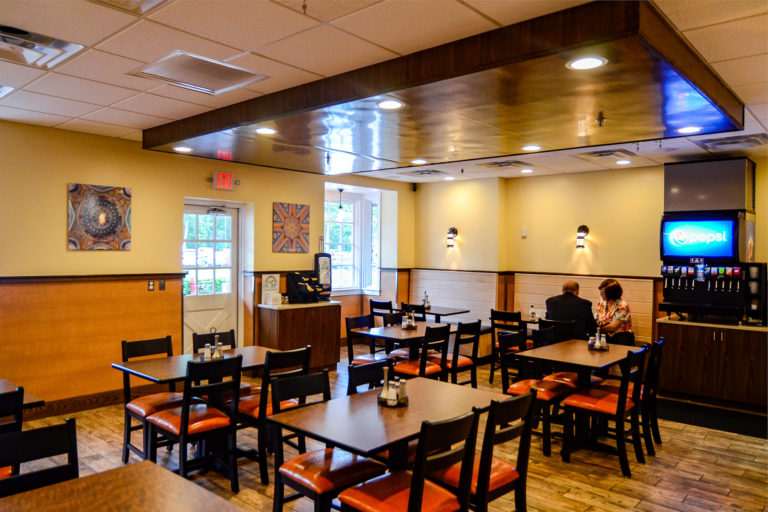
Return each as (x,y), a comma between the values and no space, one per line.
(411,491)
(228,341)
(319,474)
(380,307)
(493,477)
(361,322)
(563,329)
(17,448)
(503,321)
(605,403)
(253,410)
(11,409)
(419,311)
(371,374)
(433,353)
(548,393)
(466,334)
(400,353)
(141,407)
(194,422)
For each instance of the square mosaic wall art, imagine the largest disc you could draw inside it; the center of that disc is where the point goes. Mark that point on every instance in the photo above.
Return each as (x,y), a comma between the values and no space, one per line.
(290,227)
(99,218)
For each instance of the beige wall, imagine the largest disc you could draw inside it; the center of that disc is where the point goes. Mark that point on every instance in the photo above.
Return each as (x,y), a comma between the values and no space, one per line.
(38,163)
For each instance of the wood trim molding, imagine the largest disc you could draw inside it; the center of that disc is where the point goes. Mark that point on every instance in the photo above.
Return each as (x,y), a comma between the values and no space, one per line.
(89,277)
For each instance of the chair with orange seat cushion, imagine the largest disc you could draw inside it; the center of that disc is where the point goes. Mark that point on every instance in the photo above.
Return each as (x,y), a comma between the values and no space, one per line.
(11,407)
(493,477)
(548,393)
(319,474)
(433,353)
(400,353)
(466,334)
(139,408)
(503,321)
(361,322)
(605,403)
(371,374)
(228,340)
(441,445)
(195,422)
(253,410)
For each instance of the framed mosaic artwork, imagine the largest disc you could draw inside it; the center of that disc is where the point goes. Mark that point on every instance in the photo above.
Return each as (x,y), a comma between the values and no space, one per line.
(99,218)
(290,227)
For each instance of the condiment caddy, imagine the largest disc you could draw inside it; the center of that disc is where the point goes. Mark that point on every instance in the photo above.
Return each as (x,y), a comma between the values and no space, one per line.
(598,342)
(393,393)
(409,321)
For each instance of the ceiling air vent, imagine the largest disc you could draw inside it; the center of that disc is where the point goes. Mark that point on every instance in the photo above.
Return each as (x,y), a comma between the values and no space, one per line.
(425,172)
(198,73)
(735,143)
(602,153)
(36,50)
(132,6)
(502,164)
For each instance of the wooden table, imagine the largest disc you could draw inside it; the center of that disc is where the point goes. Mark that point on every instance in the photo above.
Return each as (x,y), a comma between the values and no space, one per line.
(163,370)
(143,486)
(395,333)
(30,400)
(441,311)
(358,423)
(573,355)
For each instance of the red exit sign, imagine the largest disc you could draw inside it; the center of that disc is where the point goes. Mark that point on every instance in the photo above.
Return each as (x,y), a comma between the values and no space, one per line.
(223,180)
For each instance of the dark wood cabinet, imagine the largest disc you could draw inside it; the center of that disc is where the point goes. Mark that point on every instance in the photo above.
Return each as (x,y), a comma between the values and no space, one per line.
(714,363)
(290,326)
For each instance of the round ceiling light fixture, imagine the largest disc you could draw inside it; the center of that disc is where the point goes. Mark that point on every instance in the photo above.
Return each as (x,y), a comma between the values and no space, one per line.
(587,63)
(526,171)
(531,147)
(418,161)
(623,162)
(390,104)
(449,178)
(265,130)
(182,149)
(689,129)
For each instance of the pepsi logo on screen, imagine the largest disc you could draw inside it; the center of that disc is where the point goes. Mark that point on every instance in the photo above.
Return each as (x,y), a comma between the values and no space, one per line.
(706,238)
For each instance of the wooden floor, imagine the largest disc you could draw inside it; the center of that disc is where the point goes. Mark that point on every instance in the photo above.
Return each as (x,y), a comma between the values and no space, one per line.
(695,469)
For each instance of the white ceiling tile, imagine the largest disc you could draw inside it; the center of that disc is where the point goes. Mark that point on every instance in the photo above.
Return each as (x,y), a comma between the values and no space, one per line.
(107,68)
(151,104)
(748,70)
(279,76)
(325,10)
(15,75)
(134,135)
(125,118)
(399,25)
(200,98)
(760,112)
(687,14)
(75,21)
(753,93)
(503,13)
(732,40)
(108,130)
(49,104)
(312,50)
(72,88)
(30,117)
(148,41)
(244,25)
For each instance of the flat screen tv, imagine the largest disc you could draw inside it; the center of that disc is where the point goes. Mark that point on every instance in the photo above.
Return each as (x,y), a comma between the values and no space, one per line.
(709,236)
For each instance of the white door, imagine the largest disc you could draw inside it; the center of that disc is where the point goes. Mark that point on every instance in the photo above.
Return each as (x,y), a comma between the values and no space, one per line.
(209,257)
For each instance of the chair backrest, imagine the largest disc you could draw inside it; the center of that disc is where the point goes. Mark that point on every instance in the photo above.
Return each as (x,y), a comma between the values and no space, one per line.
(381,307)
(509,342)
(631,372)
(287,363)
(505,321)
(433,454)
(392,318)
(215,378)
(356,322)
(564,329)
(507,420)
(651,379)
(299,387)
(419,310)
(543,336)
(11,407)
(437,339)
(466,333)
(143,348)
(370,373)
(30,445)
(226,338)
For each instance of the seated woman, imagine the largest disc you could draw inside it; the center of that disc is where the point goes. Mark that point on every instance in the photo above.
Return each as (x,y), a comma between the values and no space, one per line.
(613,316)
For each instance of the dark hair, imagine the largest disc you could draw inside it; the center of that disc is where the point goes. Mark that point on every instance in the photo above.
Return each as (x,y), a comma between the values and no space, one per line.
(606,282)
(613,291)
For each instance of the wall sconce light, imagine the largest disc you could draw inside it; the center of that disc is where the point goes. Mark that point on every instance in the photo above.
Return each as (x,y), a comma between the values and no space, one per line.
(450,238)
(581,233)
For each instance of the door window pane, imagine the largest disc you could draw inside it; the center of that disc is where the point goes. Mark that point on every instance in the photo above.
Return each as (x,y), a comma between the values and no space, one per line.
(223,280)
(334,233)
(205,282)
(190,225)
(223,254)
(188,254)
(189,283)
(205,227)
(199,257)
(205,254)
(223,228)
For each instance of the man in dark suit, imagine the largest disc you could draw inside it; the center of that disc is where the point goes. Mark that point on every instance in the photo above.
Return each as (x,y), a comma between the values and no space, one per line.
(569,306)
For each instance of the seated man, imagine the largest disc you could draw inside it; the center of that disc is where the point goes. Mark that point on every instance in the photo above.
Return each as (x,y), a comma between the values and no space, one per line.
(569,306)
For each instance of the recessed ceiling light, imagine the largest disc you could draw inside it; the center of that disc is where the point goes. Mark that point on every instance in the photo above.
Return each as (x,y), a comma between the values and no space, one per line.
(390,104)
(449,178)
(623,162)
(526,171)
(531,147)
(689,129)
(182,149)
(418,161)
(5,89)
(265,130)
(587,63)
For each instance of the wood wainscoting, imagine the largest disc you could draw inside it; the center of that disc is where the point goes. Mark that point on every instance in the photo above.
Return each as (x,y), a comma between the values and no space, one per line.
(60,334)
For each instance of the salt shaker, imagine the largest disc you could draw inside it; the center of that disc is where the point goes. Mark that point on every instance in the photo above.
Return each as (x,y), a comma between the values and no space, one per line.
(207,353)
(219,350)
(402,394)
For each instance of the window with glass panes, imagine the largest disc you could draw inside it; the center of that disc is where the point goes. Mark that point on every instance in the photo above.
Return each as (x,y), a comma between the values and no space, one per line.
(340,243)
(206,254)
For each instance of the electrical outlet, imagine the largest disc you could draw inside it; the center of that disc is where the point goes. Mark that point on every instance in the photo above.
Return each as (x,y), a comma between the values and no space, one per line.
(150,285)
(161,284)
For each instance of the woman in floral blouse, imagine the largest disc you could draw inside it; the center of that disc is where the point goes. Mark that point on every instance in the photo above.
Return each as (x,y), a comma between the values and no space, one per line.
(613,316)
